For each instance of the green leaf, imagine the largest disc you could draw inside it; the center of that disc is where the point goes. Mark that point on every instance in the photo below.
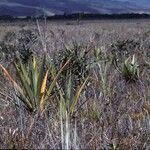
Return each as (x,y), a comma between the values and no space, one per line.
(49,91)
(25,85)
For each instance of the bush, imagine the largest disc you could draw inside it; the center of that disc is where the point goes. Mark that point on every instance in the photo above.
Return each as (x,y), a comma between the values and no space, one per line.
(79,63)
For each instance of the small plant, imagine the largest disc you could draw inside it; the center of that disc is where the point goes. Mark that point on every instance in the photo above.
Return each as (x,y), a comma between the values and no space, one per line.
(124,48)
(130,69)
(33,91)
(122,60)
(94,111)
(102,64)
(70,95)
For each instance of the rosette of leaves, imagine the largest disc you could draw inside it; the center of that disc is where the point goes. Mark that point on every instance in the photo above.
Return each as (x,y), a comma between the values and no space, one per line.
(34,89)
(130,69)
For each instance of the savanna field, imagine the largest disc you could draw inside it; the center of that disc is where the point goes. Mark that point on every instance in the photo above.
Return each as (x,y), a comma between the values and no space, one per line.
(75,85)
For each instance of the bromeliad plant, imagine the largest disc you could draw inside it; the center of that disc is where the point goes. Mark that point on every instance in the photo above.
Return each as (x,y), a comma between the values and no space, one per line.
(130,69)
(34,91)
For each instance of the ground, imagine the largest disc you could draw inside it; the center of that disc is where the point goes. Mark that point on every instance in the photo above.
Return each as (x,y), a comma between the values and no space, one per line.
(113,111)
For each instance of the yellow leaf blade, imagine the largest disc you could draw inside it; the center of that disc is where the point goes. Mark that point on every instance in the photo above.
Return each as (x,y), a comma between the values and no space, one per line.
(43,87)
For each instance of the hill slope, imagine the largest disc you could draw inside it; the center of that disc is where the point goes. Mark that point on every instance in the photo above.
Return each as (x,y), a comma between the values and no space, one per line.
(51,7)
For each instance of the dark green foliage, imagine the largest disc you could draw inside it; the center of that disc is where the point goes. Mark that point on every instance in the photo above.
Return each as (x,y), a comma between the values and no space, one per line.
(130,69)
(79,62)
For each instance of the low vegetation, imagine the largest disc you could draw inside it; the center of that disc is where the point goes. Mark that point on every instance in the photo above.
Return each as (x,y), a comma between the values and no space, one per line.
(76,97)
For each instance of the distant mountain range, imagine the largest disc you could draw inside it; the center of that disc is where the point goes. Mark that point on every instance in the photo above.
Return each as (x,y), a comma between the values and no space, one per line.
(52,7)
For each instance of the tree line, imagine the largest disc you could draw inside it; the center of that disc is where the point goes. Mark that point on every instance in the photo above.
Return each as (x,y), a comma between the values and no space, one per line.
(80,16)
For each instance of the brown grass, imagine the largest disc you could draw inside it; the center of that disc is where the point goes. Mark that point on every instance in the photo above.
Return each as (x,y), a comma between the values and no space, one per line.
(114,116)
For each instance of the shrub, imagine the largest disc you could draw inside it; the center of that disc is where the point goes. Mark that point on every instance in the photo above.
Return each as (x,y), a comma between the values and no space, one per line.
(78,66)
(33,91)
